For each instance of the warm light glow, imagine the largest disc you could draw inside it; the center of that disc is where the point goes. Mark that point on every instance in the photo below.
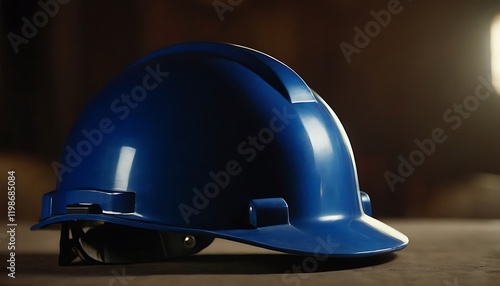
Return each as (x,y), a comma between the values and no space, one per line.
(495,53)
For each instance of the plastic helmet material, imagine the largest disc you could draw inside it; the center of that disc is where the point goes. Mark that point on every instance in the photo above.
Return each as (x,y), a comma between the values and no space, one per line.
(208,140)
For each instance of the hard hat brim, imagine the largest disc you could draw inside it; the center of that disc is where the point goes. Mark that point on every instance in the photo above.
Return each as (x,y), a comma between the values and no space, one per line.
(336,237)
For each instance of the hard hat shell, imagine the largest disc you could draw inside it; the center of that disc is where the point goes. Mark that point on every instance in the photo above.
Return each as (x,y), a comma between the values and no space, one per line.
(218,140)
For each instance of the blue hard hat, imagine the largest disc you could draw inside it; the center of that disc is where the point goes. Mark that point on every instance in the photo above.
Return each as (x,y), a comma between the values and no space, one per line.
(208,140)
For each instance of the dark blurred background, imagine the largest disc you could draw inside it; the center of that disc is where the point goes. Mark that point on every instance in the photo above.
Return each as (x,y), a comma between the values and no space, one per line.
(395,90)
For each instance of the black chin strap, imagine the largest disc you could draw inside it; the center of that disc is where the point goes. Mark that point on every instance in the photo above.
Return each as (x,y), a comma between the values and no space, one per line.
(110,243)
(70,248)
(67,251)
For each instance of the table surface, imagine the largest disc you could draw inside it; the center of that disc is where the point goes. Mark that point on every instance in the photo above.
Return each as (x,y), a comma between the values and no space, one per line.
(441,252)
